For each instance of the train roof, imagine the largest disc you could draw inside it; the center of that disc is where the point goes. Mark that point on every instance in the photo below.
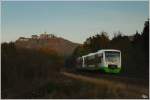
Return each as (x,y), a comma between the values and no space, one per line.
(99,51)
(90,54)
(108,50)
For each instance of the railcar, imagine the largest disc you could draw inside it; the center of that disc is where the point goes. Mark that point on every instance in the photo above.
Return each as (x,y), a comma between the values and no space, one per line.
(107,60)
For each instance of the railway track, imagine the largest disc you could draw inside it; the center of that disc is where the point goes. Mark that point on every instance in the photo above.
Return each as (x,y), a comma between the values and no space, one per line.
(114,77)
(110,80)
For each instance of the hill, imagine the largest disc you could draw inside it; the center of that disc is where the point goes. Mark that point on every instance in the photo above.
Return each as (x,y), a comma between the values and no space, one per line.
(49,42)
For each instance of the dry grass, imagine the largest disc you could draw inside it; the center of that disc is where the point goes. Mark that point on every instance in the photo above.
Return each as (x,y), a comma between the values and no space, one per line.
(94,88)
(79,87)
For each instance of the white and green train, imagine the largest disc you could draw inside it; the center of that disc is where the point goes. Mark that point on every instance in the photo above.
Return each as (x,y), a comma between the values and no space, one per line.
(107,60)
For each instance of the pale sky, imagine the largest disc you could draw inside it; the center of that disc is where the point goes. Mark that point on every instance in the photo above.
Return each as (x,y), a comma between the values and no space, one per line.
(72,20)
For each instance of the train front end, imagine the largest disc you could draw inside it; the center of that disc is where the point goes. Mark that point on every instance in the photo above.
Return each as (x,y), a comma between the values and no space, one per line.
(112,61)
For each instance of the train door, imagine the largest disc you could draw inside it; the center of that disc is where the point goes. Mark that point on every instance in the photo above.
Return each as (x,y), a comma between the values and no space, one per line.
(100,59)
(104,61)
(79,62)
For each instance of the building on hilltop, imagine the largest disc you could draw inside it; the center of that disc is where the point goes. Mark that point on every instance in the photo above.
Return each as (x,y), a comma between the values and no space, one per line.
(52,36)
(35,37)
(23,39)
(43,36)
(46,36)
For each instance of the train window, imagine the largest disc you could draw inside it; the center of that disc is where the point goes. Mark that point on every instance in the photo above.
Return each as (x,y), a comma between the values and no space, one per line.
(97,59)
(91,57)
(96,55)
(100,55)
(85,59)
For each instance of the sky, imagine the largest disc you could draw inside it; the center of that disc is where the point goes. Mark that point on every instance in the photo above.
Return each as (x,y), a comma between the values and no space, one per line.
(72,20)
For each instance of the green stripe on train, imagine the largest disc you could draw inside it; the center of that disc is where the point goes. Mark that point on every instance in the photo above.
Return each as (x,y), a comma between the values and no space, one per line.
(105,69)
(108,70)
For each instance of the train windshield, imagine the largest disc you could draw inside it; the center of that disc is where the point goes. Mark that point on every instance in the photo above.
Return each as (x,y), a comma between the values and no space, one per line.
(112,56)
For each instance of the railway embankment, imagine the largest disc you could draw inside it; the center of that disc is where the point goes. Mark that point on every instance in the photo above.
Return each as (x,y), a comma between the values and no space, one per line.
(122,89)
